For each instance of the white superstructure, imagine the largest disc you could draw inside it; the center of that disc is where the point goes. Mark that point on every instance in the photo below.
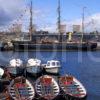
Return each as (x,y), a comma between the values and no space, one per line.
(52,66)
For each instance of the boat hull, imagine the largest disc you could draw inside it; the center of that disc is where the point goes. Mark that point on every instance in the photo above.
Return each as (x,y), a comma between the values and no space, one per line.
(20,46)
(69,97)
(73,90)
(54,70)
(21,89)
(15,70)
(46,90)
(33,70)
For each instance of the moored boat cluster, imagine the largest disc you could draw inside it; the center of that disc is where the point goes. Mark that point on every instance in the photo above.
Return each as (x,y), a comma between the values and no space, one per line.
(43,84)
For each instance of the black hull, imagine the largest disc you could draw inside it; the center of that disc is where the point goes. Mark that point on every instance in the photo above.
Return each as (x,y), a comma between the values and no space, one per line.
(21,46)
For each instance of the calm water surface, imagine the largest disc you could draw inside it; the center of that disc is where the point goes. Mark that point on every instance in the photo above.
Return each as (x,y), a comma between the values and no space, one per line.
(85,66)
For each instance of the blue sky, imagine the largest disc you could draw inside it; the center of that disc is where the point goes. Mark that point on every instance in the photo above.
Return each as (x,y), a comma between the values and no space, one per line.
(71,9)
(45,12)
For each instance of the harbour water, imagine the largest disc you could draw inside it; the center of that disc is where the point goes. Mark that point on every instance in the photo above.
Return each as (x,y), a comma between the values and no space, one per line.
(85,66)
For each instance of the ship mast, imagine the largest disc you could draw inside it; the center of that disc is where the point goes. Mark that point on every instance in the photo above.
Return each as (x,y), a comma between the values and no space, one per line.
(59,17)
(59,21)
(83,23)
(31,20)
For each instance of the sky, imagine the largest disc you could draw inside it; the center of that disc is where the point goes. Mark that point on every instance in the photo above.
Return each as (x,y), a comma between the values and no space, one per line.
(45,13)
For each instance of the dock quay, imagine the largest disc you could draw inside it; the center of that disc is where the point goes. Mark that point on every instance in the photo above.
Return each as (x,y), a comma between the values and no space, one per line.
(98,46)
(46,42)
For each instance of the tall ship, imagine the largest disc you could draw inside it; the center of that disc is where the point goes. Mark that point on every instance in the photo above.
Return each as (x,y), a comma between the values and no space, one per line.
(45,43)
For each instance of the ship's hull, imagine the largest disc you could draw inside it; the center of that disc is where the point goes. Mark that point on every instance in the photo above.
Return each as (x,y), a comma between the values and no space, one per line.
(56,46)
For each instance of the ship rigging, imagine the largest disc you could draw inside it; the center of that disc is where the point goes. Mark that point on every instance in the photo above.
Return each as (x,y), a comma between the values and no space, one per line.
(31,21)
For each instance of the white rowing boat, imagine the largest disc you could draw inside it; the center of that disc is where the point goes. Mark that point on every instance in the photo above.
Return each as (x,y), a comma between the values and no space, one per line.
(21,89)
(47,88)
(72,87)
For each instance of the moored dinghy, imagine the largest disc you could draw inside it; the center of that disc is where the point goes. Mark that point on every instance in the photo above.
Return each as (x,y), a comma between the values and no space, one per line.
(47,88)
(72,88)
(15,67)
(21,89)
(4,96)
(1,72)
(53,67)
(34,66)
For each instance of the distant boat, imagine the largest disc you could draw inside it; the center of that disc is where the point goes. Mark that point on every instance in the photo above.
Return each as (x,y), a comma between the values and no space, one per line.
(15,67)
(34,66)
(72,88)
(1,72)
(21,89)
(47,88)
(53,67)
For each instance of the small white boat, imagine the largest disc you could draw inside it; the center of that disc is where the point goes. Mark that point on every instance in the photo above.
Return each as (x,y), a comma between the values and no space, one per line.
(21,89)
(1,72)
(47,88)
(52,66)
(72,88)
(15,67)
(34,66)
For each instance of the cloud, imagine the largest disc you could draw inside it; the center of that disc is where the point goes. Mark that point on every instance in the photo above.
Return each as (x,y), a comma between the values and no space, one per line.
(10,10)
(94,22)
(91,23)
(51,28)
(4,17)
(38,19)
